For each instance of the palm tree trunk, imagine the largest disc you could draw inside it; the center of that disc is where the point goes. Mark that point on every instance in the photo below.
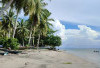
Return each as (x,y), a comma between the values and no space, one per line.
(15,27)
(33,40)
(38,40)
(33,36)
(23,41)
(9,34)
(30,35)
(6,7)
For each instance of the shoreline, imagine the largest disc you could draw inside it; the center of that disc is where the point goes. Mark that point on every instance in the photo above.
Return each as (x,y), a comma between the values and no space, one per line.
(87,58)
(44,59)
(83,58)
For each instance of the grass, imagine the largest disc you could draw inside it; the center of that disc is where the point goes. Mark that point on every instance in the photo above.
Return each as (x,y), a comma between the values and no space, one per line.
(67,63)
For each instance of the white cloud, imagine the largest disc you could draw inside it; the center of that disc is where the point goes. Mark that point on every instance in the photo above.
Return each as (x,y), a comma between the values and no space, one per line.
(82,37)
(61,31)
(87,32)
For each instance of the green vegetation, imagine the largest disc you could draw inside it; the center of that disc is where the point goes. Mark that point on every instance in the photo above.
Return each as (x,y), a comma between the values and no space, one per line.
(67,63)
(9,43)
(53,41)
(35,31)
(12,43)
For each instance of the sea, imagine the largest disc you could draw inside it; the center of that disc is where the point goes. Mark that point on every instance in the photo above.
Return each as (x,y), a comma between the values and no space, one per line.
(89,54)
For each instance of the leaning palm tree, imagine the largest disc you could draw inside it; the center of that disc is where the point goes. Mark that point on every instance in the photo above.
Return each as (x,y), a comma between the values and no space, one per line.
(27,5)
(18,4)
(8,3)
(31,7)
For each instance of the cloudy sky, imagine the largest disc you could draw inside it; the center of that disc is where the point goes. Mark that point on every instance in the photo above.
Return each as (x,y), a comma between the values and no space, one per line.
(78,22)
(77,11)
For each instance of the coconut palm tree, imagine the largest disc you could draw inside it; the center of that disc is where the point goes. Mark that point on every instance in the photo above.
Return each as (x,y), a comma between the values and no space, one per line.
(35,16)
(7,22)
(31,7)
(13,3)
(27,5)
(10,16)
(18,4)
(22,30)
(44,24)
(8,3)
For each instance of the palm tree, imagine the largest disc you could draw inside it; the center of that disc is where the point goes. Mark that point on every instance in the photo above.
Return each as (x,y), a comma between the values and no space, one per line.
(7,22)
(27,5)
(35,17)
(22,30)
(1,31)
(30,27)
(5,27)
(31,7)
(18,4)
(44,24)
(10,16)
(8,3)
(12,3)
(34,14)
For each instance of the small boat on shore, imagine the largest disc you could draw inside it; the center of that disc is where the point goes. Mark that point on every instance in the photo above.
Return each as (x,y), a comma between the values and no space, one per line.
(9,51)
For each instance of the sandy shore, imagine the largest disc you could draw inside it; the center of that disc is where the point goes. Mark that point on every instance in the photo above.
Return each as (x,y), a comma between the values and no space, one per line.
(44,59)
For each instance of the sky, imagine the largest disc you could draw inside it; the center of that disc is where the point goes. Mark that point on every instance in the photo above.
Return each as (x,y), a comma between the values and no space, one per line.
(76,11)
(77,21)
(81,37)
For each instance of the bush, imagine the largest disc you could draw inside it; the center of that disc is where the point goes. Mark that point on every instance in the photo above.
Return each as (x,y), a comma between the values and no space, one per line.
(2,40)
(27,45)
(10,42)
(53,41)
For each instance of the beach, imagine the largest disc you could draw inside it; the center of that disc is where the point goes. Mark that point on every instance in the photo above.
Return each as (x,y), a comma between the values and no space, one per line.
(44,59)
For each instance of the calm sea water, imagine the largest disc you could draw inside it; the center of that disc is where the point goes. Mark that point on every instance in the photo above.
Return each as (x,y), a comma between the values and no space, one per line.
(88,54)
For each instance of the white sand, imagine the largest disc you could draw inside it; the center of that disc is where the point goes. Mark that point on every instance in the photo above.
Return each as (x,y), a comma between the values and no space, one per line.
(44,59)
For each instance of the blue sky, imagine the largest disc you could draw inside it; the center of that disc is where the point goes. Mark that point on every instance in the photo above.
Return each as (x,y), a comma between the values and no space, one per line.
(78,22)
(71,25)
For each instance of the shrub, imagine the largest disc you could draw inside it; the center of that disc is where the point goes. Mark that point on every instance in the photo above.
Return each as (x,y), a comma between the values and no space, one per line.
(2,40)
(53,41)
(11,42)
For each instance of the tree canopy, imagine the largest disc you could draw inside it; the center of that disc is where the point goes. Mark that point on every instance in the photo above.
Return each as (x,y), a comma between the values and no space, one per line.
(35,31)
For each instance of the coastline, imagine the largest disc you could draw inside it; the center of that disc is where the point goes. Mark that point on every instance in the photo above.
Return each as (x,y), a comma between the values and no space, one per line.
(44,59)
